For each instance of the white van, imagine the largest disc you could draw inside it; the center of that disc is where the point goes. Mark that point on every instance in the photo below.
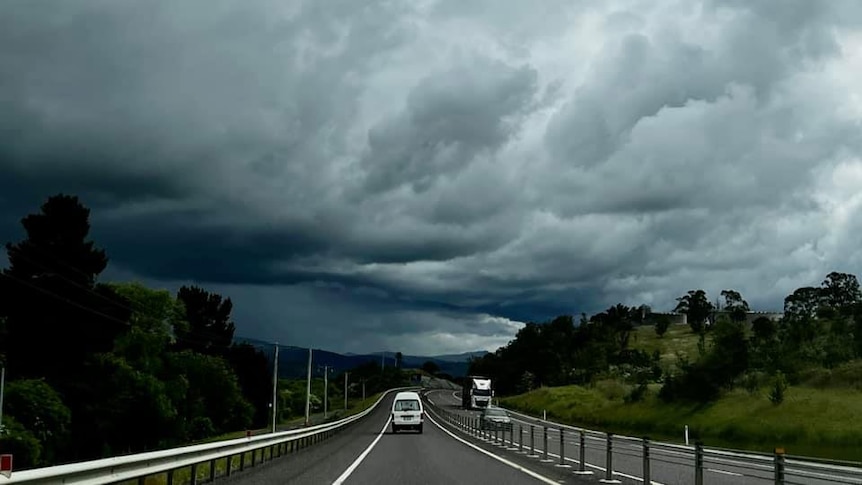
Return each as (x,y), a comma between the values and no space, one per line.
(407,412)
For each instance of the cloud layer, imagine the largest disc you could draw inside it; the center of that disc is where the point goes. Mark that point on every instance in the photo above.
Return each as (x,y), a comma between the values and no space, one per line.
(426,175)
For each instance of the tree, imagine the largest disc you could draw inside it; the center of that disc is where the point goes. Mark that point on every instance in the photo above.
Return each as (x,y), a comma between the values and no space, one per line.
(430,367)
(619,317)
(735,305)
(210,329)
(662,323)
(155,315)
(39,409)
(840,292)
(54,306)
(696,307)
(763,329)
(803,303)
(213,395)
(254,373)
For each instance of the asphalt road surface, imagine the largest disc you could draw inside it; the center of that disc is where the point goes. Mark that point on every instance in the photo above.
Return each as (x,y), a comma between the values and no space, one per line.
(428,458)
(667,466)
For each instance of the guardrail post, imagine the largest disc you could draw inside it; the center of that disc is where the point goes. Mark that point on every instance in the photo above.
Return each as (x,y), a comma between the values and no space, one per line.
(545,441)
(646,472)
(609,459)
(562,447)
(228,467)
(779,466)
(582,453)
(170,480)
(193,479)
(212,470)
(698,463)
(520,437)
(532,440)
(242,462)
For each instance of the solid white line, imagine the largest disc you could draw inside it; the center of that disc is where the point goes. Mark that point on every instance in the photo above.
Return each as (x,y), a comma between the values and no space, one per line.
(503,460)
(352,467)
(724,472)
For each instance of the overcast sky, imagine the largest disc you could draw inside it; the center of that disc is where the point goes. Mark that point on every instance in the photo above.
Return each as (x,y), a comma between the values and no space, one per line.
(424,176)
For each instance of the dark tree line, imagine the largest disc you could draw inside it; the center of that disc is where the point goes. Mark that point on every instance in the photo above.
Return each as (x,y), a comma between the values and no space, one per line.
(562,352)
(98,369)
(821,327)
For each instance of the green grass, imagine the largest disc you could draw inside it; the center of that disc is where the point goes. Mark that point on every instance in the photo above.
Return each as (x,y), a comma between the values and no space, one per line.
(678,338)
(825,422)
(183,475)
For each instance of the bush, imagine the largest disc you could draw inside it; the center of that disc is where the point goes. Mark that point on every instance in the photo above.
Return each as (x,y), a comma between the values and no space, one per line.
(22,443)
(776,395)
(637,394)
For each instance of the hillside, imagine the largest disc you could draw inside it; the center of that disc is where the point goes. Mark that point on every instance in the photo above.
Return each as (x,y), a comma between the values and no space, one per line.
(821,414)
(820,417)
(678,341)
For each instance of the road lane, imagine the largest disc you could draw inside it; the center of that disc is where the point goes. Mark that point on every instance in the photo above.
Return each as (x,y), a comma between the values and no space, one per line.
(324,462)
(432,457)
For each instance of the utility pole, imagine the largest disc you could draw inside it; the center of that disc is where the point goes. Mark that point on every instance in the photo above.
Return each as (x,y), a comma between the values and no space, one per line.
(2,389)
(325,388)
(363,389)
(308,390)
(345,391)
(275,388)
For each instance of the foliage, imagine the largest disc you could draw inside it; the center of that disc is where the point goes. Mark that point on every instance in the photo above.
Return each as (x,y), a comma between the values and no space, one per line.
(776,395)
(98,369)
(40,411)
(210,328)
(815,422)
(559,352)
(696,307)
(662,323)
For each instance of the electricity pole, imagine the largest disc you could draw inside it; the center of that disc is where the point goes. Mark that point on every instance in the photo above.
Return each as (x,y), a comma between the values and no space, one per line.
(363,389)
(326,370)
(345,391)
(308,390)
(275,388)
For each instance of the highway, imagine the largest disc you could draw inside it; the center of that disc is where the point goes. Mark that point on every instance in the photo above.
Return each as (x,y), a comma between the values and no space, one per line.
(428,458)
(668,467)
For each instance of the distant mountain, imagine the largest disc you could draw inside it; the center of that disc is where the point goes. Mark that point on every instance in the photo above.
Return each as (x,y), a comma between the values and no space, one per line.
(465,357)
(293,361)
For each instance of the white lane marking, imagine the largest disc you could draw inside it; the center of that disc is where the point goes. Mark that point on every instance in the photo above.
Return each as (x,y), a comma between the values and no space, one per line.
(352,467)
(723,472)
(500,459)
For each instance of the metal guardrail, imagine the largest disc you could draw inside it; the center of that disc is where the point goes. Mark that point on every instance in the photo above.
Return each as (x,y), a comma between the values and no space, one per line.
(139,466)
(573,443)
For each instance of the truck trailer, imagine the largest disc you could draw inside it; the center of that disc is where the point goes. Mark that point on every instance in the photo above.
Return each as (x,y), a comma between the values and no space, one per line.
(476,392)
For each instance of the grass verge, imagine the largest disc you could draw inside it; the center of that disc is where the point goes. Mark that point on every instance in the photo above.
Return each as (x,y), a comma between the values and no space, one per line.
(811,422)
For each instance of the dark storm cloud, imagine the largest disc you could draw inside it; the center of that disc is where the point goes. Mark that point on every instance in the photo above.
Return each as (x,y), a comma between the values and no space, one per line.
(358,174)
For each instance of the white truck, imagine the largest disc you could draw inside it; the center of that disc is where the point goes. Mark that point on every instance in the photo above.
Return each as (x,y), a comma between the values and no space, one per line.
(476,392)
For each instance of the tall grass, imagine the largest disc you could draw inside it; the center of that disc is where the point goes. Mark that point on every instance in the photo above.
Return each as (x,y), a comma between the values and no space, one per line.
(814,422)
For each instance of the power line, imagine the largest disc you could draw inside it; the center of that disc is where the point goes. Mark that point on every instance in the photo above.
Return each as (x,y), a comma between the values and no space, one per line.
(206,333)
(175,337)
